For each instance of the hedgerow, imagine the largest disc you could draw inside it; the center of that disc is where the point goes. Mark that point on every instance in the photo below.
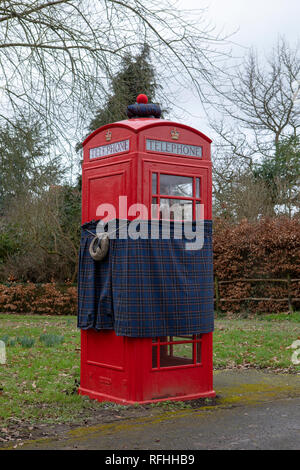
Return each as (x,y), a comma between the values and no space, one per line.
(267,249)
(49,299)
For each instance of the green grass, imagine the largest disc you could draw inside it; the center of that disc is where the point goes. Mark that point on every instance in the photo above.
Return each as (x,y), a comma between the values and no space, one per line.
(25,341)
(39,382)
(51,340)
(262,342)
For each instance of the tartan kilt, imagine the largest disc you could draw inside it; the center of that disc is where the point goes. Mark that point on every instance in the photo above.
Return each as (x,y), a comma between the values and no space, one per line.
(147,287)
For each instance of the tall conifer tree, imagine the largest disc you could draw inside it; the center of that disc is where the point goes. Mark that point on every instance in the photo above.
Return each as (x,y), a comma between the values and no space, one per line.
(135,76)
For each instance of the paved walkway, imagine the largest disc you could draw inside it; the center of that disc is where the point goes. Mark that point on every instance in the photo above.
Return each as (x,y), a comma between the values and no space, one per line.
(255,410)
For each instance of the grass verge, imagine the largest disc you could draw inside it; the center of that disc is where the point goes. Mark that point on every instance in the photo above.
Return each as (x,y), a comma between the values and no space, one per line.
(262,342)
(39,382)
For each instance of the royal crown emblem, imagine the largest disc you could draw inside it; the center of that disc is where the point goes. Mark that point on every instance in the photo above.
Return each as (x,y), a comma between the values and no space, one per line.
(108,135)
(174,134)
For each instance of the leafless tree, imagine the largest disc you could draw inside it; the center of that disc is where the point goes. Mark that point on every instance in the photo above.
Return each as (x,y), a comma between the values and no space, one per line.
(46,234)
(237,196)
(259,103)
(56,56)
(258,109)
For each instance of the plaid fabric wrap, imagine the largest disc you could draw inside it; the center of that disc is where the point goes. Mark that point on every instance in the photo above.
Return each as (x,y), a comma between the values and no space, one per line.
(146,287)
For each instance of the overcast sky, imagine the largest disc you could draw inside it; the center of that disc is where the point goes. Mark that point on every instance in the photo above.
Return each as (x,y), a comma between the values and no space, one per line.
(259,23)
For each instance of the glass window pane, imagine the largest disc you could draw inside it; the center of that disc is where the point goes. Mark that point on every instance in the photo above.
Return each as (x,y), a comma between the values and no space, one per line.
(199,211)
(173,185)
(176,209)
(183,338)
(154,357)
(154,183)
(198,187)
(176,355)
(154,208)
(198,353)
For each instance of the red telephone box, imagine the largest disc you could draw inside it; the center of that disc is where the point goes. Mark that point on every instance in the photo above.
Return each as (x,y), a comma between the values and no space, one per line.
(149,160)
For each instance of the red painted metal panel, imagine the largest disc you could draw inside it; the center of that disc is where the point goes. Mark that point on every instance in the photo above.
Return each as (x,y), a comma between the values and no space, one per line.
(118,163)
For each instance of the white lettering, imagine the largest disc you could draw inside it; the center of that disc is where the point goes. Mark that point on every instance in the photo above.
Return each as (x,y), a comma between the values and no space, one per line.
(110,149)
(135,224)
(115,460)
(162,146)
(138,228)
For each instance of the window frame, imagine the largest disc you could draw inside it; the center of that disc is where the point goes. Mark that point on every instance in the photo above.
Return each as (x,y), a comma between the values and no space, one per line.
(195,340)
(155,198)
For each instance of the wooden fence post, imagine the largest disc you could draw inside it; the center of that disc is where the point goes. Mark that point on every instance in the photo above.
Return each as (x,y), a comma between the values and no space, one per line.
(217,295)
(291,310)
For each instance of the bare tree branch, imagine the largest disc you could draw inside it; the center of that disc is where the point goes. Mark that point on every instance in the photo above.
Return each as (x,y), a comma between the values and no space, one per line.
(259,113)
(56,56)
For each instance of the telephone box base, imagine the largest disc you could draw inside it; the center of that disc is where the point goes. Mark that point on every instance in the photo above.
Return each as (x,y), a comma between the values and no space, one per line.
(145,370)
(103,397)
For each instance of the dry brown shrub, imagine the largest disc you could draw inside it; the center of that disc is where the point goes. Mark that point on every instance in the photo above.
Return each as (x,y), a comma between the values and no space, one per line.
(267,249)
(32,298)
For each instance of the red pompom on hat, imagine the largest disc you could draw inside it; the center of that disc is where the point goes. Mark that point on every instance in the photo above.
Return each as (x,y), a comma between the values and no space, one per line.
(142,109)
(142,99)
